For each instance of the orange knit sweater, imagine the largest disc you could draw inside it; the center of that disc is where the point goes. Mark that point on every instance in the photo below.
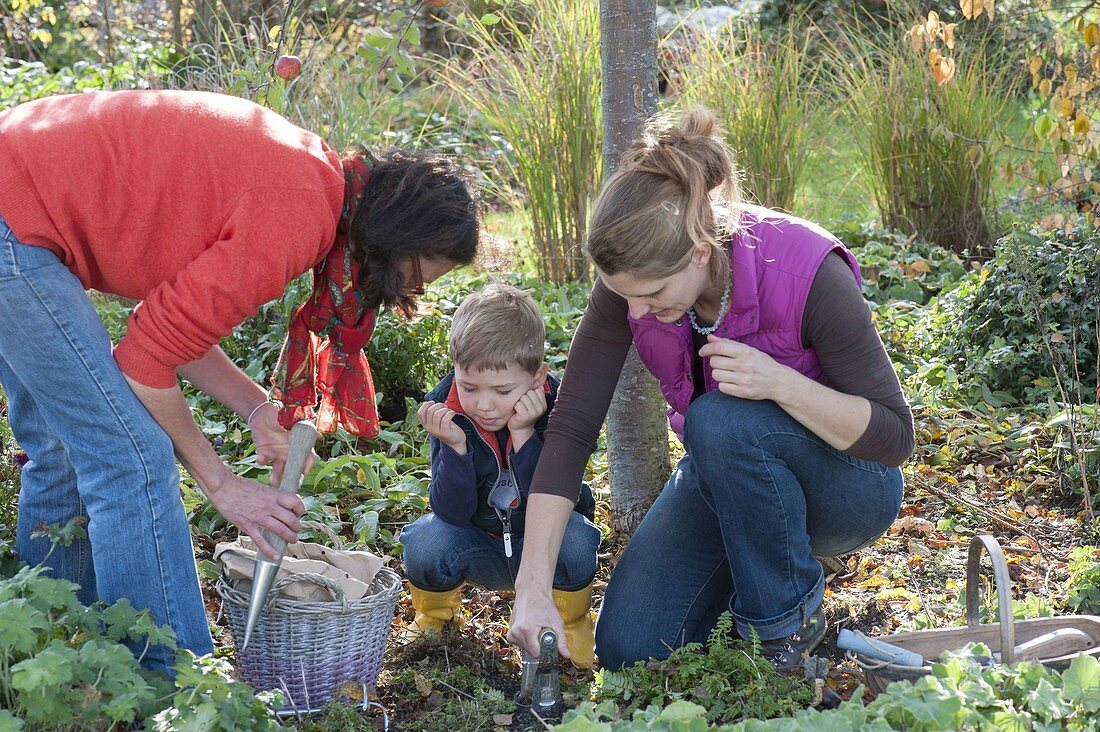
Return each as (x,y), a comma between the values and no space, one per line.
(201,205)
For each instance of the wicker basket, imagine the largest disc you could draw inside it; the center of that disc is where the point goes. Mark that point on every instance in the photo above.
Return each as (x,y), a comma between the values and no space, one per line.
(1001,637)
(308,650)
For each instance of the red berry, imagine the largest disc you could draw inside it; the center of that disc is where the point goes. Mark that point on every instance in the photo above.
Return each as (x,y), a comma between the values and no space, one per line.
(288,67)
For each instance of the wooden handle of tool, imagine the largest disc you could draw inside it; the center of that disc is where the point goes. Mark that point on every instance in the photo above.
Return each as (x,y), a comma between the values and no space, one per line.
(1055,644)
(303,436)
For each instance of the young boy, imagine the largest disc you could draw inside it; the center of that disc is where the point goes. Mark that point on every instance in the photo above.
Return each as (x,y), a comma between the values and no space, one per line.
(486,420)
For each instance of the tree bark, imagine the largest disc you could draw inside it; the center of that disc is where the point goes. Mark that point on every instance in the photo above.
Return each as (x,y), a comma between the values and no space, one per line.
(637,428)
(177,22)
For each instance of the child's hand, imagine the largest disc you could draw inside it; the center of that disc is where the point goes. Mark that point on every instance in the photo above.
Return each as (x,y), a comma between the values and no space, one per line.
(529,408)
(439,422)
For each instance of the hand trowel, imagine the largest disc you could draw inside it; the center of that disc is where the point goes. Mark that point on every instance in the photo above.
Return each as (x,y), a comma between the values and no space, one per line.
(303,435)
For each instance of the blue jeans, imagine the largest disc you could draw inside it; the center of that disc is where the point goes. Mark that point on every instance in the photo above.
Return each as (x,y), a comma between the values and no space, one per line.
(94,452)
(439,555)
(737,527)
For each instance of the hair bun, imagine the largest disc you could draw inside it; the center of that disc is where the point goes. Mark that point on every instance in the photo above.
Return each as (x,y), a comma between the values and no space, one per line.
(690,151)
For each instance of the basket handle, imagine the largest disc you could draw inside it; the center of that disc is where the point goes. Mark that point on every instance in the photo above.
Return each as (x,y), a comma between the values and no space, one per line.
(318,579)
(1002,584)
(337,542)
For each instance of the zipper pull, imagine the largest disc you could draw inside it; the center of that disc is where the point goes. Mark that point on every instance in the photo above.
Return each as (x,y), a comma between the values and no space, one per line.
(508,534)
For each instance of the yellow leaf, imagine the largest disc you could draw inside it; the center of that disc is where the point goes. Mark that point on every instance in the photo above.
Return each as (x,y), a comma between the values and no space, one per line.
(1035,64)
(423,685)
(1081,124)
(920,266)
(1071,73)
(1044,88)
(989,8)
(1092,35)
(944,71)
(875,580)
(1066,107)
(916,39)
(970,8)
(949,35)
(894,593)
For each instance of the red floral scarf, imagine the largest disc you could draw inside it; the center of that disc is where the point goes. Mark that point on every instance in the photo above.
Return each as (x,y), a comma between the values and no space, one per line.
(322,366)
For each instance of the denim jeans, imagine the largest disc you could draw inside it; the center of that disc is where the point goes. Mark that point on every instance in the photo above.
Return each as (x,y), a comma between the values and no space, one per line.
(94,452)
(439,555)
(737,527)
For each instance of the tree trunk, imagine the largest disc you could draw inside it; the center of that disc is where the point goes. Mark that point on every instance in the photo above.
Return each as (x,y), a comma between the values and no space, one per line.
(177,22)
(637,429)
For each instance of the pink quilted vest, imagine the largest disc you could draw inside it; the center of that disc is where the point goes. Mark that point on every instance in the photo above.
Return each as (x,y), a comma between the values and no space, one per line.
(775,257)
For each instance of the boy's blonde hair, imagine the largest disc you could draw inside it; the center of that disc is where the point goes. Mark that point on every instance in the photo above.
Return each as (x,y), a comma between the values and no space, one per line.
(497,327)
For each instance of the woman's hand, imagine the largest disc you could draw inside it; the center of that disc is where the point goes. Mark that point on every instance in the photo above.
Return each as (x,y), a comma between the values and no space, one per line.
(743,371)
(532,612)
(547,517)
(252,506)
(439,422)
(272,441)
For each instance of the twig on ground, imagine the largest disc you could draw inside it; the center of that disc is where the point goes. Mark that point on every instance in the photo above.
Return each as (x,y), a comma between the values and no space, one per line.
(995,516)
(1011,548)
(540,719)
(457,691)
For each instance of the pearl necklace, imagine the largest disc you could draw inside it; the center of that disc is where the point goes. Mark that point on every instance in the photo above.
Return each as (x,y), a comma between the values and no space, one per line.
(722,307)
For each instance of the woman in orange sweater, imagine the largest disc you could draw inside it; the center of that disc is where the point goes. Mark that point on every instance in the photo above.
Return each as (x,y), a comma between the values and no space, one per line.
(204,207)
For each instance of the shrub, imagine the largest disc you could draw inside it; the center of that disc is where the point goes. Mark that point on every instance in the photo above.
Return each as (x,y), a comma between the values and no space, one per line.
(63,665)
(1084,579)
(959,693)
(928,149)
(729,676)
(539,87)
(899,267)
(762,86)
(1028,322)
(407,358)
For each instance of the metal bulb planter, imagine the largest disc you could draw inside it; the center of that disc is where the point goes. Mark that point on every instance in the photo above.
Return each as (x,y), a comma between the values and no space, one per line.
(303,436)
(540,684)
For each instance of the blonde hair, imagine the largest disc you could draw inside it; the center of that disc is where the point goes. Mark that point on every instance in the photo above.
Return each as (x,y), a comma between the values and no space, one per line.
(658,205)
(498,327)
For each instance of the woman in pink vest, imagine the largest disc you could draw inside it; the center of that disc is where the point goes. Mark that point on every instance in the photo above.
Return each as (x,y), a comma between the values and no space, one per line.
(792,417)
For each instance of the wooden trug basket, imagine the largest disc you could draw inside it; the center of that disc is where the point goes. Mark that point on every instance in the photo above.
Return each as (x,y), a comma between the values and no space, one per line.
(1000,637)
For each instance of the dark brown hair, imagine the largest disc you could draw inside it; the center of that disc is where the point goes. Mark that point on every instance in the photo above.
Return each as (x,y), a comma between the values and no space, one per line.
(414,204)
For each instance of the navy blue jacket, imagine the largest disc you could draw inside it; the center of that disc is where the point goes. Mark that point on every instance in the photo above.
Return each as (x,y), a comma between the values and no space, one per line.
(459,492)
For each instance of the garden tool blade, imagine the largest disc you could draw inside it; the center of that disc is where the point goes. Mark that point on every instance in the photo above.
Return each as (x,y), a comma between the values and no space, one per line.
(303,435)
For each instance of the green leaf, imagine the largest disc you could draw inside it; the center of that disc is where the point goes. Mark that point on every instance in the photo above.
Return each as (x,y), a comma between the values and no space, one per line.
(1048,702)
(1044,126)
(52,667)
(490,19)
(9,722)
(1081,683)
(20,626)
(119,618)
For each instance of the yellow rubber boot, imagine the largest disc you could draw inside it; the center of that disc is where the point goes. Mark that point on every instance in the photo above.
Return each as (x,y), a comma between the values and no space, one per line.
(575,609)
(433,609)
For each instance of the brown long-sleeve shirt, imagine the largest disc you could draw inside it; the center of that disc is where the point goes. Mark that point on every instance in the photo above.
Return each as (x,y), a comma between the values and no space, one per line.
(836,324)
